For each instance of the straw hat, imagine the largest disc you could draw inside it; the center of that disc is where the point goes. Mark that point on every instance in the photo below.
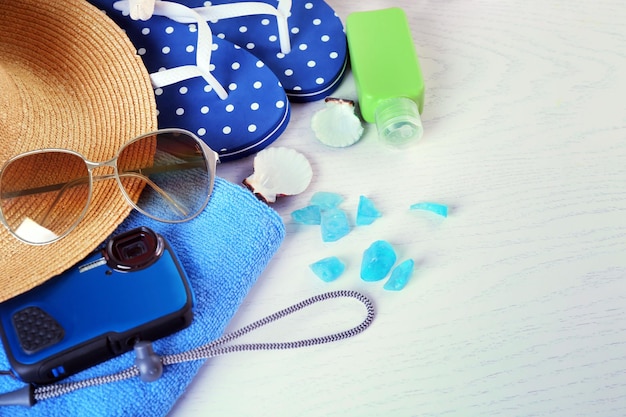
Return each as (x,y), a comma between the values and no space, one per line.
(69,78)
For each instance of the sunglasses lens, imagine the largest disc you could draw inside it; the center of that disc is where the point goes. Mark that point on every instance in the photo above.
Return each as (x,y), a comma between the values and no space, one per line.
(44,195)
(166,174)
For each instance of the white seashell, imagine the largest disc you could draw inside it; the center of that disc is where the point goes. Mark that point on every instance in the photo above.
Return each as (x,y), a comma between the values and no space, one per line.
(337,124)
(279,171)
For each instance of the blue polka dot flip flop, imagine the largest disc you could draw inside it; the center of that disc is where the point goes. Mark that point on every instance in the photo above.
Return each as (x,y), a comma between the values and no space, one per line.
(207,85)
(302,41)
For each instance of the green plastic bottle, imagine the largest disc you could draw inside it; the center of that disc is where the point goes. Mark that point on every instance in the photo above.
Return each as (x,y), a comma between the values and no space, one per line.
(387,73)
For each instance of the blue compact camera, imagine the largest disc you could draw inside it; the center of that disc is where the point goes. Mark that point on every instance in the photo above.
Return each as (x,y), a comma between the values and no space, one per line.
(133,289)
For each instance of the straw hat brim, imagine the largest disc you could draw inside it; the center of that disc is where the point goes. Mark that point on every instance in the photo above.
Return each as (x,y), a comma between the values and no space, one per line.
(69,78)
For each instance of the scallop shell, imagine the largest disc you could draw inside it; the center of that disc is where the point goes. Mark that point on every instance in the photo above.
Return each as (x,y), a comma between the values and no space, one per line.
(279,171)
(337,124)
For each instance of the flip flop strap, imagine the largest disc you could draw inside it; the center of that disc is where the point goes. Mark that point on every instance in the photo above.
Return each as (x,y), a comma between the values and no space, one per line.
(141,9)
(204,46)
(144,9)
(247,8)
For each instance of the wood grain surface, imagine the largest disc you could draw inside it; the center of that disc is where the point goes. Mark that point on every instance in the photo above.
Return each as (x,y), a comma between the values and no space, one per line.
(517,306)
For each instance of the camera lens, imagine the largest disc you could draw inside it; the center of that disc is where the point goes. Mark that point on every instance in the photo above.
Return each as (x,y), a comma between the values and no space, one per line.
(133,250)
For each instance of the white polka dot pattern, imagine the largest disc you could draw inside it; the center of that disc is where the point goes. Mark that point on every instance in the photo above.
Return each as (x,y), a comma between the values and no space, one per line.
(317,61)
(253,115)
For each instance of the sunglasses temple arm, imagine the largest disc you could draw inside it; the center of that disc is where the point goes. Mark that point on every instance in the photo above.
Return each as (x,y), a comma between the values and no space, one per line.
(168,168)
(54,187)
(41,190)
(63,187)
(158,189)
(66,186)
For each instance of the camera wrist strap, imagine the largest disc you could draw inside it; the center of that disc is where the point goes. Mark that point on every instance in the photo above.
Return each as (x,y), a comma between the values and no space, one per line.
(149,366)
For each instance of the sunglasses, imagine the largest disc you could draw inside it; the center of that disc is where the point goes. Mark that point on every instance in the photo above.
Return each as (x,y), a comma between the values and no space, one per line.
(167,175)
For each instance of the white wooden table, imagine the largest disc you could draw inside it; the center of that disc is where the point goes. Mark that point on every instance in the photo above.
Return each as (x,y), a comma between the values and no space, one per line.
(517,306)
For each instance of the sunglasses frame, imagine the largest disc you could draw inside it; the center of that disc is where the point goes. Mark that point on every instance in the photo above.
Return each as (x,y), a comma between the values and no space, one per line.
(211,157)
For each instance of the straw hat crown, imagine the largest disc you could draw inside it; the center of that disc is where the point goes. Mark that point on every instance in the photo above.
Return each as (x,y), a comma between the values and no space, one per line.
(69,78)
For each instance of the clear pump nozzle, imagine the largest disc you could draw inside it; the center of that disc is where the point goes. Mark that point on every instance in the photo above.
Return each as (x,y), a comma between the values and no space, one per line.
(398,121)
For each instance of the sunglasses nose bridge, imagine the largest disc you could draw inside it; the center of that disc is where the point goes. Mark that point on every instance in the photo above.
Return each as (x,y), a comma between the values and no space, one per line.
(102,170)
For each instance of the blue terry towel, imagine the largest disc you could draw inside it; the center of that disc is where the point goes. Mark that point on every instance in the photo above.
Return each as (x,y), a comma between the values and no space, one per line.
(223,250)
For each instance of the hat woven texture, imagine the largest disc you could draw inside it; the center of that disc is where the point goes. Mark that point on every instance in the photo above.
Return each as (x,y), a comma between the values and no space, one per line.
(69,78)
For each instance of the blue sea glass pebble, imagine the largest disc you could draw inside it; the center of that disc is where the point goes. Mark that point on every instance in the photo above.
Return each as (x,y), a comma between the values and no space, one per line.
(366,212)
(400,276)
(310,215)
(326,200)
(436,208)
(328,269)
(377,261)
(334,225)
